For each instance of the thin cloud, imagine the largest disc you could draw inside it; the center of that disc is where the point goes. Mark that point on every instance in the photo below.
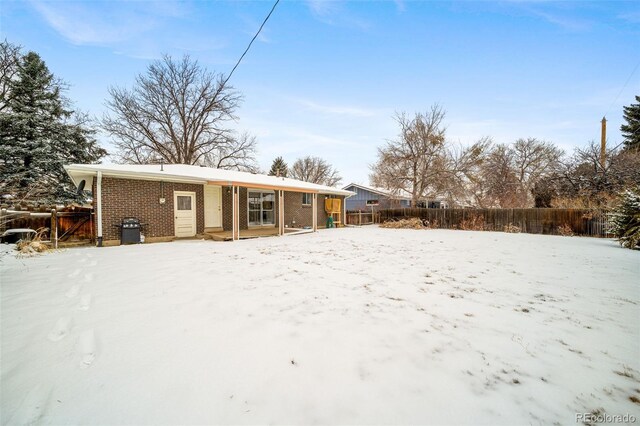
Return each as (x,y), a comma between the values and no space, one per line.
(133,29)
(338,109)
(565,23)
(252,26)
(633,17)
(81,24)
(332,12)
(322,7)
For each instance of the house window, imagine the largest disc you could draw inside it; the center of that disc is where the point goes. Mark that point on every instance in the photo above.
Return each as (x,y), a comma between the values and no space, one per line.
(372,202)
(184,202)
(306,199)
(261,205)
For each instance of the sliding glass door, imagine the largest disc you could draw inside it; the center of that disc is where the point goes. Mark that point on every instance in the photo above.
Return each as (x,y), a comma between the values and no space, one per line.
(261,205)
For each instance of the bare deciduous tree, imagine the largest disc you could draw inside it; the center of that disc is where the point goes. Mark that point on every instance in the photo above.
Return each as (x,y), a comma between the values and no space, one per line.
(461,177)
(9,63)
(315,170)
(415,160)
(238,153)
(510,173)
(177,112)
(420,162)
(500,181)
(533,160)
(583,182)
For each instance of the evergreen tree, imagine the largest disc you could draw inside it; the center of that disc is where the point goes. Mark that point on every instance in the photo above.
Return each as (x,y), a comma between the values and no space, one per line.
(625,220)
(38,134)
(278,168)
(631,130)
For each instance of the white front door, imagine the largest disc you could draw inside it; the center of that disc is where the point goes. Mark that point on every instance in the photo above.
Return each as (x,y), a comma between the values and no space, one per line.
(184,208)
(212,206)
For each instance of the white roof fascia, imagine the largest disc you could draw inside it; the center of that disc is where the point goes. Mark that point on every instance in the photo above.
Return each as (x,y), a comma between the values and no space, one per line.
(76,171)
(142,175)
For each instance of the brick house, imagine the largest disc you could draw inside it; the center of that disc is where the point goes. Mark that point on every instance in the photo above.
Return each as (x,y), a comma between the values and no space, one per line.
(174,201)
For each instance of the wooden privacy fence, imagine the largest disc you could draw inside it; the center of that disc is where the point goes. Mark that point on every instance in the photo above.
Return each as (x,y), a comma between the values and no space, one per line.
(532,221)
(362,218)
(62,226)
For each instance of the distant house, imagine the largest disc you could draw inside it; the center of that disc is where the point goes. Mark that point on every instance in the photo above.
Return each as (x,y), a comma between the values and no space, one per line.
(433,204)
(367,197)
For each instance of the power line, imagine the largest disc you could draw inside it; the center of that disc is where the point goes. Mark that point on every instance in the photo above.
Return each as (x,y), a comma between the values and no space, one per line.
(623,87)
(250,43)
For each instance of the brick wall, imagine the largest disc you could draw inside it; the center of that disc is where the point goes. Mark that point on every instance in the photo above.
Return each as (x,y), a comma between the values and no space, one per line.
(296,215)
(139,198)
(322,215)
(227,218)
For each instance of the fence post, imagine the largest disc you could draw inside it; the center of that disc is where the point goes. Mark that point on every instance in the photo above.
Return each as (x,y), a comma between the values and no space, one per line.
(53,233)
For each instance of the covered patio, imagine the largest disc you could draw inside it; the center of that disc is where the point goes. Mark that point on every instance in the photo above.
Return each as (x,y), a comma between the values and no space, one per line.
(253,233)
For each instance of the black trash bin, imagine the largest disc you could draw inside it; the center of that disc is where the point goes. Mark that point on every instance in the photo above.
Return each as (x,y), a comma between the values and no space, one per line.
(130,231)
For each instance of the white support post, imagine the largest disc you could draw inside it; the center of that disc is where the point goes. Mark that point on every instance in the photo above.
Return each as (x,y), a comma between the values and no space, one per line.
(314,207)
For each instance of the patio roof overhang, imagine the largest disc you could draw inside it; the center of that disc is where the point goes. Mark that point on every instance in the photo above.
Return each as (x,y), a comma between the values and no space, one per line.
(195,175)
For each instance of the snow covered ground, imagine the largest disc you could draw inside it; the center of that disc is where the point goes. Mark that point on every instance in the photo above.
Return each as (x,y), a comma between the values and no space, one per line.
(347,326)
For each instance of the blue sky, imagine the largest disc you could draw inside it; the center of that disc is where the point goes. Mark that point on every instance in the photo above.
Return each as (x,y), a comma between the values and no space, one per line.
(325,77)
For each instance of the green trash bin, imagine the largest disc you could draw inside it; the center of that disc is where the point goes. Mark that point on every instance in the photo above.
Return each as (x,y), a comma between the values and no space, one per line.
(330,222)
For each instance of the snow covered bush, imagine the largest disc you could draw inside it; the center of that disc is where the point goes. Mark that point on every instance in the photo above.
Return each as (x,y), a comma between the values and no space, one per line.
(625,219)
(565,230)
(474,223)
(34,245)
(512,229)
(411,223)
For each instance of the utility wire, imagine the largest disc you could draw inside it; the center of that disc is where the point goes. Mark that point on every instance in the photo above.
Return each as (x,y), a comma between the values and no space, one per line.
(623,87)
(250,43)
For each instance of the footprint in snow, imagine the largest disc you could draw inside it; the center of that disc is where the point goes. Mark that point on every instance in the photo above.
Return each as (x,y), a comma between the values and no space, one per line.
(87,348)
(88,277)
(74,274)
(32,407)
(73,291)
(85,302)
(93,263)
(60,330)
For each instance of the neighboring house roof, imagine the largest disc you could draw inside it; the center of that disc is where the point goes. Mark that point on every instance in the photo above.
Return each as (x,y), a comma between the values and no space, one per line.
(195,174)
(402,195)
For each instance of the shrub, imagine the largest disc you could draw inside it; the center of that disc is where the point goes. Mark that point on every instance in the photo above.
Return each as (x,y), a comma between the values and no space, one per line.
(474,223)
(565,230)
(34,245)
(412,223)
(512,229)
(625,219)
(434,224)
